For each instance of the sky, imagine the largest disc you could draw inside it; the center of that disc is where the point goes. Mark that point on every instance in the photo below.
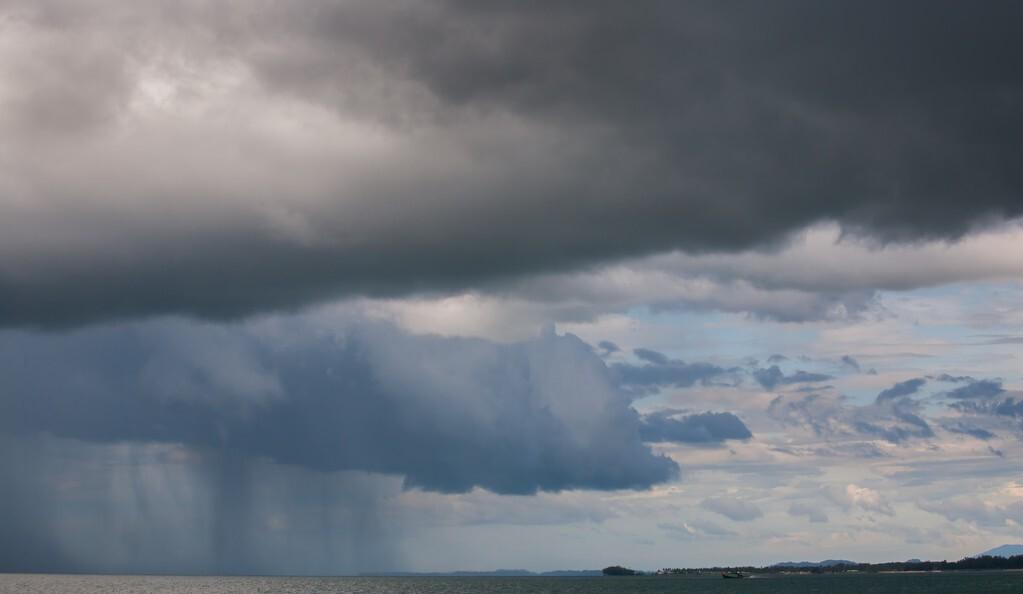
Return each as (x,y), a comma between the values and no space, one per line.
(423,285)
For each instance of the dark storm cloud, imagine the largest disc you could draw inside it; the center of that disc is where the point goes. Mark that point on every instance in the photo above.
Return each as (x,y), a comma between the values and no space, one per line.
(977,389)
(900,389)
(446,414)
(701,428)
(459,143)
(772,377)
(607,348)
(275,446)
(659,372)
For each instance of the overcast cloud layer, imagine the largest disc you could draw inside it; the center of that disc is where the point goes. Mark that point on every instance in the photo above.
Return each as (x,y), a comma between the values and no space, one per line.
(782,243)
(222,159)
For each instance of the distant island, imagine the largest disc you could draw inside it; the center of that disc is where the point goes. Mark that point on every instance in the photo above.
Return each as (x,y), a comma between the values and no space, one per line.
(1000,558)
(1008,556)
(619,570)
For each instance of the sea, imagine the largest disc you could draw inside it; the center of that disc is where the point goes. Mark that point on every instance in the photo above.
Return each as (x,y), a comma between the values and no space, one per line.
(923,583)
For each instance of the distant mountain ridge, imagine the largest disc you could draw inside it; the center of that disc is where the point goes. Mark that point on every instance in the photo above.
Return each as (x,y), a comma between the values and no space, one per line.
(1006,550)
(812,564)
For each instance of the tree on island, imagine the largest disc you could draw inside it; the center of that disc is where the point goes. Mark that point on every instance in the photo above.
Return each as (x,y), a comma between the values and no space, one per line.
(619,570)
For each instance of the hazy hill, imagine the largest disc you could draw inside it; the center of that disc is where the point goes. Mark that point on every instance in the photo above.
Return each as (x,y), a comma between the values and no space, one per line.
(1006,550)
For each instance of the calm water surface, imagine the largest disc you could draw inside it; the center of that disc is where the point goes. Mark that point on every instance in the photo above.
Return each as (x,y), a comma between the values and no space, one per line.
(951,583)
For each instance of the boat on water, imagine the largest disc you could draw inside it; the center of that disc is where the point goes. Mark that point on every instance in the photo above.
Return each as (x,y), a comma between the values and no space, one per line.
(733,575)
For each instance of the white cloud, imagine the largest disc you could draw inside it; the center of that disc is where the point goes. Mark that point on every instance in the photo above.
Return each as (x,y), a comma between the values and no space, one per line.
(864,498)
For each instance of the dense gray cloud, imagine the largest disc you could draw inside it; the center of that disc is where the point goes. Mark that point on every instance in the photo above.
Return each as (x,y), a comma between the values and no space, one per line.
(772,377)
(651,356)
(270,446)
(446,414)
(977,389)
(222,160)
(906,388)
(1010,407)
(703,282)
(701,428)
(821,274)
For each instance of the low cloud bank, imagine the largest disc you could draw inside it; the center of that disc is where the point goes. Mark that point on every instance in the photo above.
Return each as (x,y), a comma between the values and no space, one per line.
(447,414)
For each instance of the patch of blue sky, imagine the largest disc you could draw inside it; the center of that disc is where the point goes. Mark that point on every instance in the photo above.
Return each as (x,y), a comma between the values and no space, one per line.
(940,322)
(727,337)
(979,322)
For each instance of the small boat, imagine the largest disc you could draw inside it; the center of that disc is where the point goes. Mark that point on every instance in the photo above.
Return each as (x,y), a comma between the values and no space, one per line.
(732,575)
